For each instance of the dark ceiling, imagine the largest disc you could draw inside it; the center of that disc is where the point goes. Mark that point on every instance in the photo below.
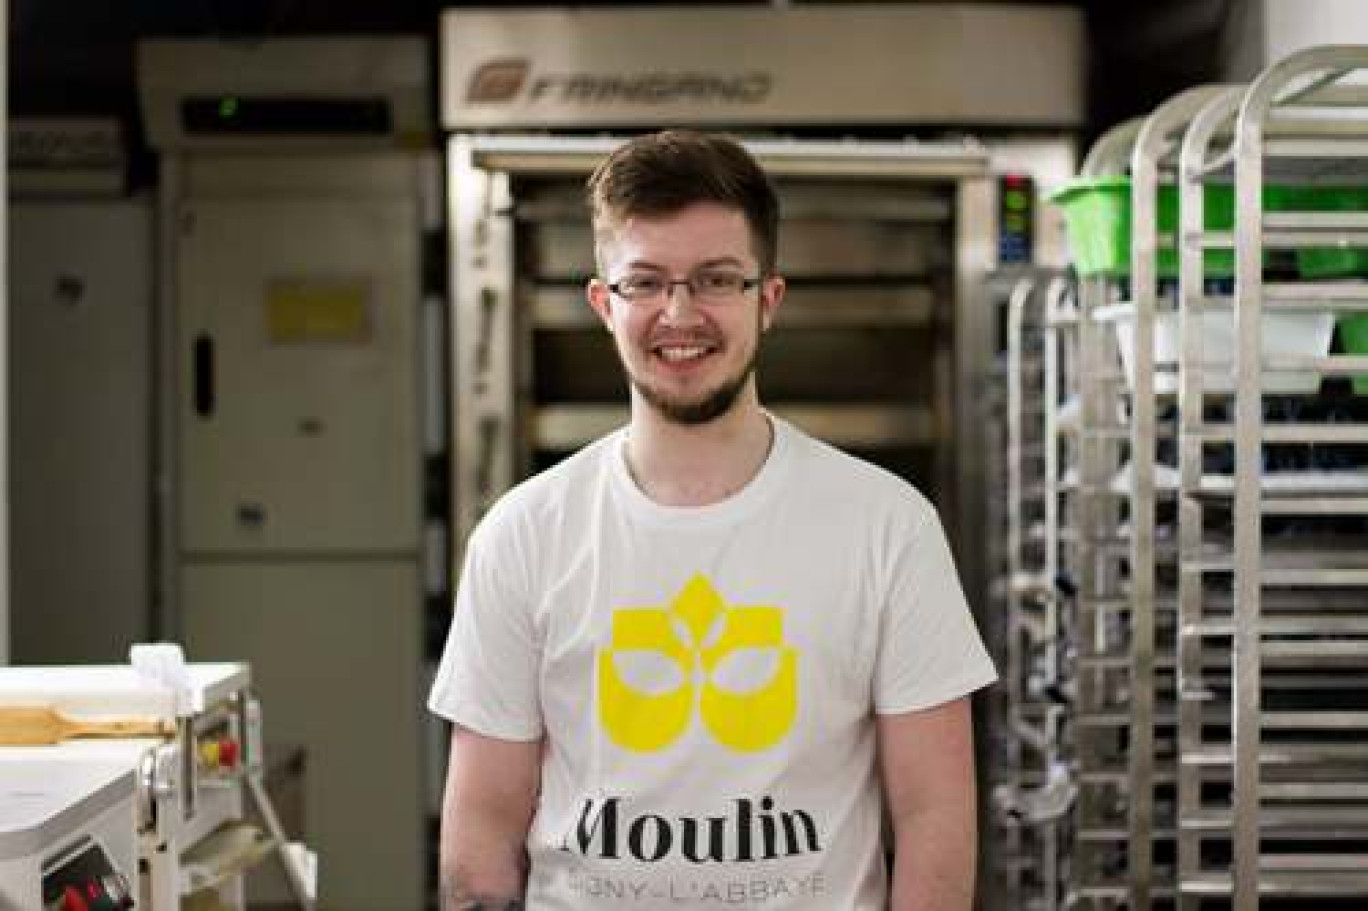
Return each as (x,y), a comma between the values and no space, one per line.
(76,57)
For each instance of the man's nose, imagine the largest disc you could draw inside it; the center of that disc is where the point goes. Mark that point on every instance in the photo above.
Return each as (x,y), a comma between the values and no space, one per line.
(679,302)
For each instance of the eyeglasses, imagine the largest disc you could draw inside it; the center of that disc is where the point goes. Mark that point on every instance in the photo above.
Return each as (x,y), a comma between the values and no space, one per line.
(711,285)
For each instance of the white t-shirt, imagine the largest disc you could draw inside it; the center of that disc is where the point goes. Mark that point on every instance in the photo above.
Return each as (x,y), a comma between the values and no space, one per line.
(707,678)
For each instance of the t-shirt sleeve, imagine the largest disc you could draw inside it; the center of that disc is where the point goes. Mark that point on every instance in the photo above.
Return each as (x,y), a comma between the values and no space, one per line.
(929,649)
(487,679)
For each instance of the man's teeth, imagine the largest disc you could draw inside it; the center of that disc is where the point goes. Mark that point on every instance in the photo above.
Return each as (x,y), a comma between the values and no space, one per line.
(681,353)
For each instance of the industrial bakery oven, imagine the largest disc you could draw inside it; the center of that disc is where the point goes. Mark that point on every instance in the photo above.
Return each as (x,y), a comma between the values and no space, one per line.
(885,240)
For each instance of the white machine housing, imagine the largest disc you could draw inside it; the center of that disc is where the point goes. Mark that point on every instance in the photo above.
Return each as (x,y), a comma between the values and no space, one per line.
(969,64)
(184,814)
(319,93)
(57,814)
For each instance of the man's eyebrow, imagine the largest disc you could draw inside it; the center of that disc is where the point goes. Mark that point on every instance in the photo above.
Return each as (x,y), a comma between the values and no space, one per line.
(648,266)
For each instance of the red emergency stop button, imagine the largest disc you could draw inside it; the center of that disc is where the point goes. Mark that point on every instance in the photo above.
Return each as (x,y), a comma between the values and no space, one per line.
(72,900)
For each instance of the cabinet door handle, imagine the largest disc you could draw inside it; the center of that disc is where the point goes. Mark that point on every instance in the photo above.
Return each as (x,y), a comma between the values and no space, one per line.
(484,336)
(204,376)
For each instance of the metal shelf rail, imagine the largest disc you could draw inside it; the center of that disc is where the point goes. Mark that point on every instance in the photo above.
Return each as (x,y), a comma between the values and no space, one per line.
(1000,848)
(1152,167)
(1037,794)
(1204,767)
(1127,710)
(1090,455)
(1063,442)
(1130,587)
(1283,796)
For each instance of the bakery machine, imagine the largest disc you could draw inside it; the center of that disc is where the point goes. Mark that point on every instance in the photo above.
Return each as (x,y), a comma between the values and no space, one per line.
(67,834)
(296,199)
(884,337)
(135,785)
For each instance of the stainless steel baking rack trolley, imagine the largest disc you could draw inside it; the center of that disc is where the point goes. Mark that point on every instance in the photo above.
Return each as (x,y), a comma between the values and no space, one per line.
(1109,524)
(1273,636)
(1033,802)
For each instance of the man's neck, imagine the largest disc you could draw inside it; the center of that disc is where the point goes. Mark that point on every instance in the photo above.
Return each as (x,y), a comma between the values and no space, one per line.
(697,465)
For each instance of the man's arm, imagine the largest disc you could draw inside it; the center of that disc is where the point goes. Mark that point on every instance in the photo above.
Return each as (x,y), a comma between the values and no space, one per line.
(927,760)
(491,794)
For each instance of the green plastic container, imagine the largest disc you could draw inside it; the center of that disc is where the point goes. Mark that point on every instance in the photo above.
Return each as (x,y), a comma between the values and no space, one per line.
(1353,329)
(1329,262)
(1097,216)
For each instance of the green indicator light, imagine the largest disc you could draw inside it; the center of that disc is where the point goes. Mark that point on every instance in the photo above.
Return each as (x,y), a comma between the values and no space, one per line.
(228,107)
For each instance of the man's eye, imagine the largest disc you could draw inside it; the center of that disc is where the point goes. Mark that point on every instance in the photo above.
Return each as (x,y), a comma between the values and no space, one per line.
(719,282)
(643,285)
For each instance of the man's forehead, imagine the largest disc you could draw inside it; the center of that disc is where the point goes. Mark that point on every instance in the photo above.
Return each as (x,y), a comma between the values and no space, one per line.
(713,232)
(700,215)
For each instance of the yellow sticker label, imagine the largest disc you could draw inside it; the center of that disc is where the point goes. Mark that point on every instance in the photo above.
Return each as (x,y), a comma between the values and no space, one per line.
(319,311)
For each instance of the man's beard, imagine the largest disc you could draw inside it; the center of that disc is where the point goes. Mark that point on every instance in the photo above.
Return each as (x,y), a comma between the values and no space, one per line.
(694,411)
(711,405)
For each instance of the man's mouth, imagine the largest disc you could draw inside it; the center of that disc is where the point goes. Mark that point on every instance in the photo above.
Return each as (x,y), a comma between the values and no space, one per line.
(681,354)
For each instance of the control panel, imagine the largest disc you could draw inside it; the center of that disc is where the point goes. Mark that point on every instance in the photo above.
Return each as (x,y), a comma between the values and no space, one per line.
(85,879)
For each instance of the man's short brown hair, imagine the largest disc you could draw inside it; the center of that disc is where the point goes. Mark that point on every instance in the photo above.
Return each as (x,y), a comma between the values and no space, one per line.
(660,174)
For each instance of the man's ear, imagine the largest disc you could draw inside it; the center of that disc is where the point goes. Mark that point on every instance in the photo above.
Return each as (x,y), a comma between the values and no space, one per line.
(771,296)
(601,299)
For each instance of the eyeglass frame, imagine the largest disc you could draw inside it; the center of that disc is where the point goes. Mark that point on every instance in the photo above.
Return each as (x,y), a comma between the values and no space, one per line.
(669,284)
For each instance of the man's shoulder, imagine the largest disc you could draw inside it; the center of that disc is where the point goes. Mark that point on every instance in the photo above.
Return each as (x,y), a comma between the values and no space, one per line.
(562,484)
(854,480)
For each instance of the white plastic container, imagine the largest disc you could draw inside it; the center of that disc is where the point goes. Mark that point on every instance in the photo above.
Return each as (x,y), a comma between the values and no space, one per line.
(1303,334)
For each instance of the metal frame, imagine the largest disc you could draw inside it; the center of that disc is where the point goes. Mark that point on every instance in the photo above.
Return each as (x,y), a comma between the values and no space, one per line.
(1305,646)
(1100,843)
(1120,596)
(482,403)
(1067,514)
(1194,660)
(975,253)
(1036,796)
(1150,170)
(1257,153)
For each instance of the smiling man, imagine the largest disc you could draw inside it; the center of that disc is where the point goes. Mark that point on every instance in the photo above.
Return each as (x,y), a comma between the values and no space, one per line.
(699,662)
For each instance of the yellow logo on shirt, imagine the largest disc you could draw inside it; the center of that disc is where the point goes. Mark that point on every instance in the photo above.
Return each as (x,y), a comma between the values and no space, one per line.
(695,635)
